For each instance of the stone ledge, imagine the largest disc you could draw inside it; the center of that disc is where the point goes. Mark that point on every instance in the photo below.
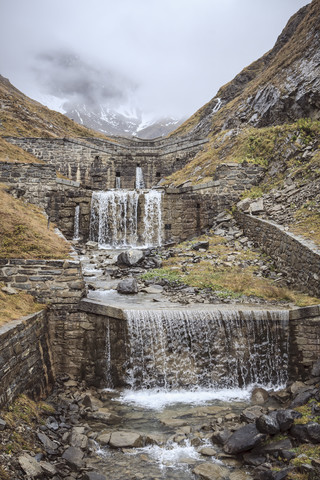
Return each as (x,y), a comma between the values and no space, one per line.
(91,306)
(304,312)
(71,183)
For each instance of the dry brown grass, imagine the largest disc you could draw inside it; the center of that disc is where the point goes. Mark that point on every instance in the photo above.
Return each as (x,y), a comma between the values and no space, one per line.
(224,277)
(12,307)
(12,153)
(24,232)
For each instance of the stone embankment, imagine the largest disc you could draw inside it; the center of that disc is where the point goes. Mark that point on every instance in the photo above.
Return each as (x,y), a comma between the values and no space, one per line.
(58,282)
(297,258)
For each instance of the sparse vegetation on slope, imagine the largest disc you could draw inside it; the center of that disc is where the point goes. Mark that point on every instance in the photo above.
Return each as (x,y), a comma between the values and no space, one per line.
(17,305)
(282,144)
(264,93)
(215,270)
(24,232)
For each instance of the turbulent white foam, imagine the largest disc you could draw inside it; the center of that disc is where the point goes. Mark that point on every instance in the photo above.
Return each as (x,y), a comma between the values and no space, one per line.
(172,455)
(156,399)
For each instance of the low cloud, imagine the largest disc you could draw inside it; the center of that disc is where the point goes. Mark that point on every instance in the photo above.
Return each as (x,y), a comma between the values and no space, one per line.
(67,76)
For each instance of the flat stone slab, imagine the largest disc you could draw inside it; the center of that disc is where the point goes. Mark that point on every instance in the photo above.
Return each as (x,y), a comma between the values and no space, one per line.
(211,471)
(124,439)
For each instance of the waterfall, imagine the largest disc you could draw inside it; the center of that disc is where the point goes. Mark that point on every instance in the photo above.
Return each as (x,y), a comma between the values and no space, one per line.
(209,349)
(115,221)
(152,218)
(76,223)
(217,106)
(118,182)
(139,179)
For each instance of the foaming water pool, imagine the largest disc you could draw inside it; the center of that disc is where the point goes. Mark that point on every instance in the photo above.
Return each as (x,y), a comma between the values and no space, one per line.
(156,399)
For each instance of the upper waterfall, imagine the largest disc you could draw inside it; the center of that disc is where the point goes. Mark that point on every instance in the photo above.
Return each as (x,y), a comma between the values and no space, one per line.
(139,179)
(126,218)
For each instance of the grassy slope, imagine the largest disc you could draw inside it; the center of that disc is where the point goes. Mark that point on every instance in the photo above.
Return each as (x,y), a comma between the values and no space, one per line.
(24,232)
(12,153)
(262,146)
(224,278)
(14,306)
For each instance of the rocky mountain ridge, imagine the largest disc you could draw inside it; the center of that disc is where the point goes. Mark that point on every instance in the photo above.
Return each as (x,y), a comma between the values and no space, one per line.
(280,87)
(111,122)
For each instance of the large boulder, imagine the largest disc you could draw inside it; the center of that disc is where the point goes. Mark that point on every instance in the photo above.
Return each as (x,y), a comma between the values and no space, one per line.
(309,432)
(286,419)
(104,415)
(203,244)
(259,396)
(30,466)
(130,257)
(74,458)
(128,286)
(244,439)
(268,424)
(125,439)
(315,371)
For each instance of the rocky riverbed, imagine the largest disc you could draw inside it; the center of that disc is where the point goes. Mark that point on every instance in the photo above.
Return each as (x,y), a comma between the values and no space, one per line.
(91,434)
(135,271)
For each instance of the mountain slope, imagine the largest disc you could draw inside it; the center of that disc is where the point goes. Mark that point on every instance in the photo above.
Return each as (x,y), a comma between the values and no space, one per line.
(280,87)
(22,116)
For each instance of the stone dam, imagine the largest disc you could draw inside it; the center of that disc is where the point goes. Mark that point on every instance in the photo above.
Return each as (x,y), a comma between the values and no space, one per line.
(113,196)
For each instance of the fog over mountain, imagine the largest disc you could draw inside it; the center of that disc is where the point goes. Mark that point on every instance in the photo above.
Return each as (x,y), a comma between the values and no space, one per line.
(140,59)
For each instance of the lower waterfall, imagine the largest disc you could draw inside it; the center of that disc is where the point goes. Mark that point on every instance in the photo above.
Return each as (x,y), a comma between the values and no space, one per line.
(217,349)
(126,218)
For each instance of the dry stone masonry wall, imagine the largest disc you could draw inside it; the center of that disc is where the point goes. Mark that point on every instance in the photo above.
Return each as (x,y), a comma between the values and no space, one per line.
(297,258)
(59,282)
(25,358)
(97,164)
(304,343)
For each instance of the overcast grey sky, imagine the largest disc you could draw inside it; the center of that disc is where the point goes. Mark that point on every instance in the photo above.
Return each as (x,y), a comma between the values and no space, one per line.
(163,56)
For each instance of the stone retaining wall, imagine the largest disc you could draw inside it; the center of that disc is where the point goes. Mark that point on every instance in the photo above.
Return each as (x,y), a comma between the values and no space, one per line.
(82,348)
(97,164)
(25,358)
(83,342)
(38,184)
(297,258)
(58,282)
(304,341)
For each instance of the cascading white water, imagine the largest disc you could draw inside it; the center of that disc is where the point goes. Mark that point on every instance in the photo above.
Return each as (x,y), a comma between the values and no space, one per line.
(76,223)
(139,179)
(152,218)
(115,222)
(118,182)
(114,218)
(217,106)
(209,348)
